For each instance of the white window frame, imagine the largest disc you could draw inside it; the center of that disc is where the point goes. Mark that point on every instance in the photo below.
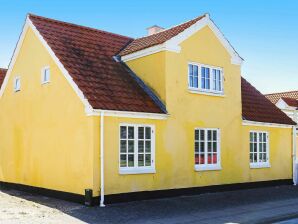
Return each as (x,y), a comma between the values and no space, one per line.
(136,169)
(259,164)
(210,91)
(16,87)
(43,70)
(206,167)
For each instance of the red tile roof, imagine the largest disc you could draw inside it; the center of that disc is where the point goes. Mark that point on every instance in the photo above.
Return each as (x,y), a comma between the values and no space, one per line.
(256,107)
(274,97)
(87,54)
(158,38)
(291,102)
(2,75)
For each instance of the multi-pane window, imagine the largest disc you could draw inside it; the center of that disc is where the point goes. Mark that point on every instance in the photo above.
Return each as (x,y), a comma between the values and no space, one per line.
(193,76)
(205,78)
(45,75)
(136,148)
(207,148)
(259,149)
(17,84)
(216,79)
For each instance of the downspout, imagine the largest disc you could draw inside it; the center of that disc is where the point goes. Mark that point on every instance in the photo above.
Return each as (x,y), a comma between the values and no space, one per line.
(294,156)
(102,194)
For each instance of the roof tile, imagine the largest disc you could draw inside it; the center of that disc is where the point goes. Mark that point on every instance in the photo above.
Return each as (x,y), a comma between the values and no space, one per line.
(256,107)
(87,54)
(158,38)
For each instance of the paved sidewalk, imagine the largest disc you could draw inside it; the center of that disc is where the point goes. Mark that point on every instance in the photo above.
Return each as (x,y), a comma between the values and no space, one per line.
(263,205)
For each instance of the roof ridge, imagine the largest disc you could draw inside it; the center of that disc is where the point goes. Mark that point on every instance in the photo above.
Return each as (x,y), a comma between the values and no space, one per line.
(204,15)
(77,25)
(270,94)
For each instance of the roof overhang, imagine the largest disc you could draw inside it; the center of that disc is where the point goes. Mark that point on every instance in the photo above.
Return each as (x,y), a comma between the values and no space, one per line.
(266,124)
(173,44)
(127,114)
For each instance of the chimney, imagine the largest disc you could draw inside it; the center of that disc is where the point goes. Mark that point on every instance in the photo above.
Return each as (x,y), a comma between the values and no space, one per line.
(154,29)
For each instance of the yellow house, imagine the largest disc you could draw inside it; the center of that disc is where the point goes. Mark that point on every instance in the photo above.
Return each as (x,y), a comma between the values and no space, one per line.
(86,112)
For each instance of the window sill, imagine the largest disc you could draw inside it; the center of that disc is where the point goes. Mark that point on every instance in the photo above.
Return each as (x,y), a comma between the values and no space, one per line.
(211,93)
(259,165)
(207,167)
(137,170)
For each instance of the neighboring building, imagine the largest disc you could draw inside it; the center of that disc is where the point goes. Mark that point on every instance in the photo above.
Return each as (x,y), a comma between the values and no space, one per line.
(169,111)
(287,102)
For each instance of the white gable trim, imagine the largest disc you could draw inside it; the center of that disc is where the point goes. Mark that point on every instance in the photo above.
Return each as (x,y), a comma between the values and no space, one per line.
(14,58)
(61,67)
(264,124)
(173,44)
(28,24)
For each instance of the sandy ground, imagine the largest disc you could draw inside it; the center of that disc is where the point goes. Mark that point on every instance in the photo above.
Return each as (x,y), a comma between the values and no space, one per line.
(17,208)
(263,205)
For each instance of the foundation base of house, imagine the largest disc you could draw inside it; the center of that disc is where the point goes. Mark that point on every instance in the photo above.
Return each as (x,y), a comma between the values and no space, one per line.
(144,195)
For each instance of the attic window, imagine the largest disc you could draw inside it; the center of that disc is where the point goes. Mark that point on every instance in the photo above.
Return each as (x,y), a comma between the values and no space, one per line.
(205,78)
(17,84)
(45,75)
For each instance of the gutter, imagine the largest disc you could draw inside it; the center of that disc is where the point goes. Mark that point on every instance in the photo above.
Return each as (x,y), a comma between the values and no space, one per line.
(127,114)
(102,194)
(294,156)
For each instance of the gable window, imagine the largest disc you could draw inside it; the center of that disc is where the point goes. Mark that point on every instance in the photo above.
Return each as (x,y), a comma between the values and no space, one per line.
(17,84)
(205,78)
(207,149)
(137,144)
(45,75)
(259,149)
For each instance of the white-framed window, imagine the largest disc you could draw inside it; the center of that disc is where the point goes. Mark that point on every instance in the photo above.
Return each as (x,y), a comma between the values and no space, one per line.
(137,149)
(17,84)
(205,78)
(45,75)
(207,149)
(259,149)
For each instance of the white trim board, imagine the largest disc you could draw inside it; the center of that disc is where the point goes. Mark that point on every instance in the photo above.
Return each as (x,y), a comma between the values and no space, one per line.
(128,114)
(264,124)
(28,23)
(173,43)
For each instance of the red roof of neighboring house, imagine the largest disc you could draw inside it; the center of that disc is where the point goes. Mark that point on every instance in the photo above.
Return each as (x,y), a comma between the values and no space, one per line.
(274,97)
(256,107)
(158,38)
(2,75)
(87,55)
(291,102)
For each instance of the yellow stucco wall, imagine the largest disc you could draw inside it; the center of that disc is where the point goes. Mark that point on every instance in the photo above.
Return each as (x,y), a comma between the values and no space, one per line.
(175,136)
(152,72)
(46,138)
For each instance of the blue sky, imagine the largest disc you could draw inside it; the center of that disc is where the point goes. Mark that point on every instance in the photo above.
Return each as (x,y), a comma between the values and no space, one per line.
(265,33)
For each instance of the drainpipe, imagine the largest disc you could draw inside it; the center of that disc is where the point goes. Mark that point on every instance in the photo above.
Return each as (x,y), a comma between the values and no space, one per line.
(294,156)
(102,195)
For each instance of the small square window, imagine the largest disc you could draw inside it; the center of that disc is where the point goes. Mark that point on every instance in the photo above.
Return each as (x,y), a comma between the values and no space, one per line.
(17,84)
(45,75)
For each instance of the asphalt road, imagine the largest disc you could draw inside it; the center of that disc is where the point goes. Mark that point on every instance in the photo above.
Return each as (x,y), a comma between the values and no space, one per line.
(262,205)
